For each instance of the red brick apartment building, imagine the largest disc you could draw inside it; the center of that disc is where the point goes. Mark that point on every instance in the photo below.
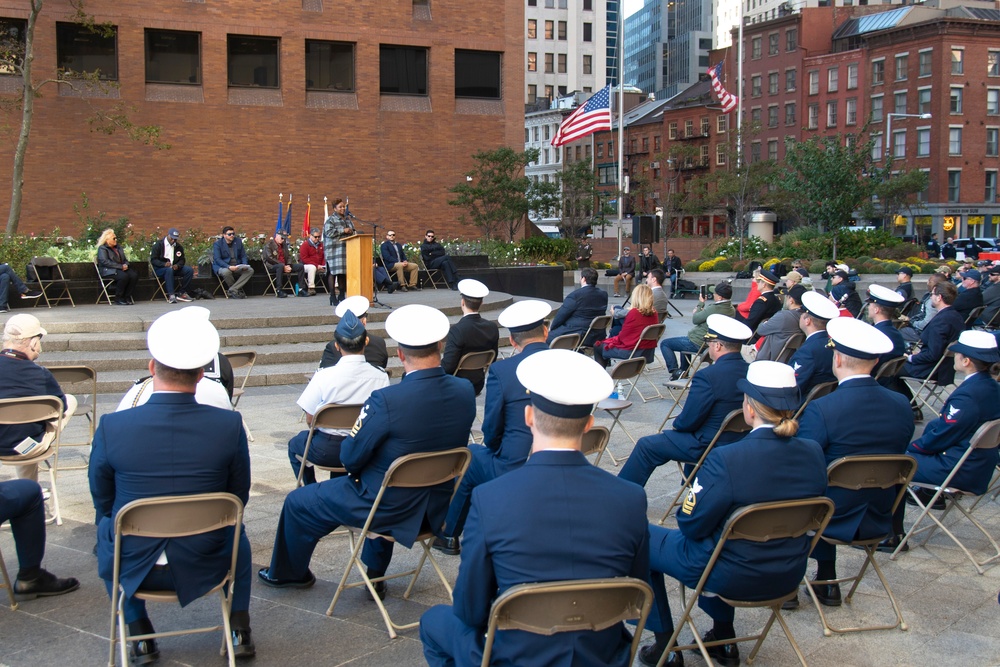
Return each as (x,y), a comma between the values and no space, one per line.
(382,102)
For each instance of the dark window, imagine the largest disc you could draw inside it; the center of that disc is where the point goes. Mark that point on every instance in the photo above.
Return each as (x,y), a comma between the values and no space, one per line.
(403,70)
(12,43)
(253,61)
(477,74)
(588,30)
(329,65)
(173,56)
(80,50)
(588,5)
(532,3)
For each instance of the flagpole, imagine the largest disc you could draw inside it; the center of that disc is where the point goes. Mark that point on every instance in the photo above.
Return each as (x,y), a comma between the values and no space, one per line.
(739,93)
(621,121)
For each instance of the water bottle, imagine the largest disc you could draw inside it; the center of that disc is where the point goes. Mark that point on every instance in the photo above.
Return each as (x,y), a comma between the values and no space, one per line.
(619,390)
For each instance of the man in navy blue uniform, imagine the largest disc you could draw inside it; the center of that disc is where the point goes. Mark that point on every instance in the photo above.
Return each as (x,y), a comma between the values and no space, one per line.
(171,445)
(506,438)
(939,333)
(813,361)
(882,310)
(944,440)
(376,353)
(428,411)
(769,464)
(712,396)
(579,308)
(472,333)
(766,305)
(526,527)
(860,418)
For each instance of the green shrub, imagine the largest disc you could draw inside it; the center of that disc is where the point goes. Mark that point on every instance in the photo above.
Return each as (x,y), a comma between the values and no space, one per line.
(692,266)
(723,265)
(817,266)
(545,249)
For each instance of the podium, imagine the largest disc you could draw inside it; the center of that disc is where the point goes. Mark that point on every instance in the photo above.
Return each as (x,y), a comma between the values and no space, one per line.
(359,265)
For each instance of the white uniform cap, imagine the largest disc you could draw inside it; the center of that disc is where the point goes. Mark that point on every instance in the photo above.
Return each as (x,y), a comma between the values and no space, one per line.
(356,304)
(524,315)
(771,383)
(183,339)
(884,296)
(980,345)
(857,339)
(473,289)
(819,306)
(563,383)
(416,325)
(726,328)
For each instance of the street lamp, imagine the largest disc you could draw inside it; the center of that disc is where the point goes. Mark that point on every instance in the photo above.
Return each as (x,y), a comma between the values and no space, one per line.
(888,128)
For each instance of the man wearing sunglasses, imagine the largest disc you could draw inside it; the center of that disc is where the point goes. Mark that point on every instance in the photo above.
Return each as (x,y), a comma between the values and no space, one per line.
(436,257)
(229,261)
(394,259)
(313,260)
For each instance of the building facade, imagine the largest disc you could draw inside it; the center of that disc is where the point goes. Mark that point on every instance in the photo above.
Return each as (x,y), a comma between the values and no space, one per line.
(667,45)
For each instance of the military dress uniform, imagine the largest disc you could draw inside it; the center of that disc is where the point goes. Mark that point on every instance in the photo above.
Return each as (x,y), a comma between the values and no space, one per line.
(472,333)
(898,344)
(813,362)
(766,305)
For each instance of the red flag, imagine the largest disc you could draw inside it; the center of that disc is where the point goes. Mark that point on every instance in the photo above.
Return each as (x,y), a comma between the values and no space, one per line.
(591,117)
(305,223)
(727,99)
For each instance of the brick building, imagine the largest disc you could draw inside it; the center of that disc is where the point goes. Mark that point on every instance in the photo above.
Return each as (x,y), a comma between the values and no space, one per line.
(382,102)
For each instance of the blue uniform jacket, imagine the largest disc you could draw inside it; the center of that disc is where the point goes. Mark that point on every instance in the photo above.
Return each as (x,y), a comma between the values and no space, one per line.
(576,312)
(813,362)
(389,427)
(940,332)
(169,446)
(472,333)
(898,344)
(944,441)
(223,254)
(504,430)
(860,418)
(527,526)
(712,396)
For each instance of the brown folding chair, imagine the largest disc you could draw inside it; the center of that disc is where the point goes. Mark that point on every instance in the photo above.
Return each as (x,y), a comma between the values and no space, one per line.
(594,441)
(986,436)
(159,283)
(733,423)
(856,473)
(819,391)
(625,370)
(286,279)
(599,323)
(928,390)
(433,275)
(793,343)
(891,368)
(576,605)
(653,332)
(475,361)
(565,342)
(331,415)
(993,323)
(221,286)
(54,288)
(105,282)
(682,384)
(30,410)
(760,522)
(7,584)
(973,316)
(242,359)
(73,379)
(169,517)
(421,470)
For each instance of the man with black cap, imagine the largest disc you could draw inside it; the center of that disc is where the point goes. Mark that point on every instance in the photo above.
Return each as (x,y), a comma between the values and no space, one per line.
(766,305)
(905,287)
(506,438)
(376,352)
(350,382)
(712,396)
(171,445)
(946,439)
(170,266)
(860,418)
(720,303)
(472,333)
(969,295)
(843,293)
(883,306)
(991,297)
(812,362)
(394,422)
(526,526)
(783,325)
(579,308)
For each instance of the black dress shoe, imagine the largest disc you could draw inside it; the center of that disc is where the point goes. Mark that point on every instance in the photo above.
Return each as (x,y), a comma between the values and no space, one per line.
(791,605)
(45,584)
(889,544)
(281,294)
(447,545)
(727,655)
(925,496)
(242,644)
(265,577)
(381,589)
(143,651)
(827,594)
(676,375)
(650,655)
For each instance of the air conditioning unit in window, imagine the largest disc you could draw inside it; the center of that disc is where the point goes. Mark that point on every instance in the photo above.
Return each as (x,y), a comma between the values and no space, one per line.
(654,165)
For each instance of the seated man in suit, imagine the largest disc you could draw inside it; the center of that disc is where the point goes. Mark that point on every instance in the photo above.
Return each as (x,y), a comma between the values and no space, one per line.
(376,353)
(229,262)
(472,333)
(428,411)
(506,438)
(626,271)
(712,396)
(167,257)
(861,417)
(939,333)
(350,381)
(579,308)
(813,361)
(173,446)
(520,530)
(394,259)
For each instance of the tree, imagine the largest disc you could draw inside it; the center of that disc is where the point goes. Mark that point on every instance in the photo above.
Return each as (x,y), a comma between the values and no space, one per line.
(896,191)
(17,57)
(579,192)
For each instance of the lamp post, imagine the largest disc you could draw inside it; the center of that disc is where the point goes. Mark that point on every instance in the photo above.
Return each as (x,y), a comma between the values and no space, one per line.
(890,143)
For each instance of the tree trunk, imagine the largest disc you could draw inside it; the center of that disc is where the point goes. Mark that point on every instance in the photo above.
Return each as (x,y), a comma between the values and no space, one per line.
(27,113)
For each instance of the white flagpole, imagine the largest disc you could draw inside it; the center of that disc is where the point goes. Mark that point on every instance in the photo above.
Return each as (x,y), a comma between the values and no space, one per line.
(739,93)
(621,122)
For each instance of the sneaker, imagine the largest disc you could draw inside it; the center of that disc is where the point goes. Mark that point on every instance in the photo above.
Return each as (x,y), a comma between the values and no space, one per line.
(31,294)
(183,296)
(45,584)
(4,308)
(171,299)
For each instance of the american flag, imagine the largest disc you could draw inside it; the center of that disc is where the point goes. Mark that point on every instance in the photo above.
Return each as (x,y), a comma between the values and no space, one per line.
(593,116)
(728,100)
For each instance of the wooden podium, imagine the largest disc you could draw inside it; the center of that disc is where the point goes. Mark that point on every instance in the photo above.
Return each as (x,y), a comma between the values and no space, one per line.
(359,265)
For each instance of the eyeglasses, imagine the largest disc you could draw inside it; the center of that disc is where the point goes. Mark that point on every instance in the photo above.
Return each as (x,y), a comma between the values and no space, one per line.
(430,236)
(391,234)
(230,233)
(315,236)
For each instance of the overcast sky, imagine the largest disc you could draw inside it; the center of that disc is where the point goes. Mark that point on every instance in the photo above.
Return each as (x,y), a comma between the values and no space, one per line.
(632,6)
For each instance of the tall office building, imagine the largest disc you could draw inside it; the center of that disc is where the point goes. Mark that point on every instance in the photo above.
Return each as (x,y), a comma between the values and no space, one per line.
(667,44)
(567,47)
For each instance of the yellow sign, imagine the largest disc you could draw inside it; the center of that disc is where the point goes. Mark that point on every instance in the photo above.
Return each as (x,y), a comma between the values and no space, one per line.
(924,220)
(950,221)
(900,221)
(975,220)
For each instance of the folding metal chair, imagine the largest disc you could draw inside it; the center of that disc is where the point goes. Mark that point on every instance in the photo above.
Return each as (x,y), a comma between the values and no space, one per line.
(993,324)
(158,282)
(221,286)
(760,522)
(599,323)
(594,441)
(7,584)
(973,316)
(421,470)
(908,306)
(30,410)
(819,391)
(475,361)
(626,370)
(682,384)
(576,605)
(169,517)
(793,343)
(986,436)
(433,275)
(891,368)
(331,415)
(105,282)
(241,359)
(733,423)
(653,332)
(286,279)
(55,288)
(857,473)
(928,390)
(73,379)
(565,342)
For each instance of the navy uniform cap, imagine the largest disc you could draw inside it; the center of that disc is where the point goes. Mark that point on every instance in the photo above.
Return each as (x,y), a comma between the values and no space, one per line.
(350,326)
(771,383)
(563,383)
(907,270)
(723,327)
(524,315)
(981,345)
(857,339)
(883,296)
(768,277)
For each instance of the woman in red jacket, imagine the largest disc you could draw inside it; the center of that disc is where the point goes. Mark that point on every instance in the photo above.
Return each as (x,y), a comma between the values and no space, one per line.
(640,316)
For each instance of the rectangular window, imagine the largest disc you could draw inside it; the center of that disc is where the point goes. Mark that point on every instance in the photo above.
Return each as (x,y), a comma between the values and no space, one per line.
(923,142)
(253,61)
(588,64)
(755,151)
(588,5)
(721,124)
(607,175)
(993,101)
(814,82)
(772,83)
(924,59)
(852,76)
(832,79)
(173,56)
(993,63)
(772,150)
(561,34)
(645,144)
(831,114)
(672,131)
(851,112)
(899,144)
(550,28)
(878,71)
(14,29)
(689,128)
(80,50)
(532,28)
(720,155)
(755,115)
(402,70)
(877,147)
(532,3)
(899,101)
(877,109)
(790,113)
(705,124)
(550,63)
(562,63)
(954,186)
(791,39)
(532,61)
(772,44)
(902,65)
(790,80)
(755,44)
(532,93)
(599,146)
(588,32)
(813,116)
(772,116)
(703,161)
(329,65)
(955,99)
(923,100)
(550,93)
(990,196)
(477,74)
(957,62)
(755,89)
(954,141)
(656,143)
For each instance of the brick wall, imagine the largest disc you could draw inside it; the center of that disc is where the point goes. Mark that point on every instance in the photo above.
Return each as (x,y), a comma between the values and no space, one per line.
(687,248)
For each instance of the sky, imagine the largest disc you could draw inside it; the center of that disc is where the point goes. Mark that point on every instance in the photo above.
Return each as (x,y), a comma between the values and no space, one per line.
(632,6)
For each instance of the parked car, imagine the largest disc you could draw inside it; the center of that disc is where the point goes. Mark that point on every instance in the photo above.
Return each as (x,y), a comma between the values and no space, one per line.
(985,245)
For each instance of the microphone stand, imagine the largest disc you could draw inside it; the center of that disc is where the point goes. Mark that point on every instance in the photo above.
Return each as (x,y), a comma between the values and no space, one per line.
(375,227)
